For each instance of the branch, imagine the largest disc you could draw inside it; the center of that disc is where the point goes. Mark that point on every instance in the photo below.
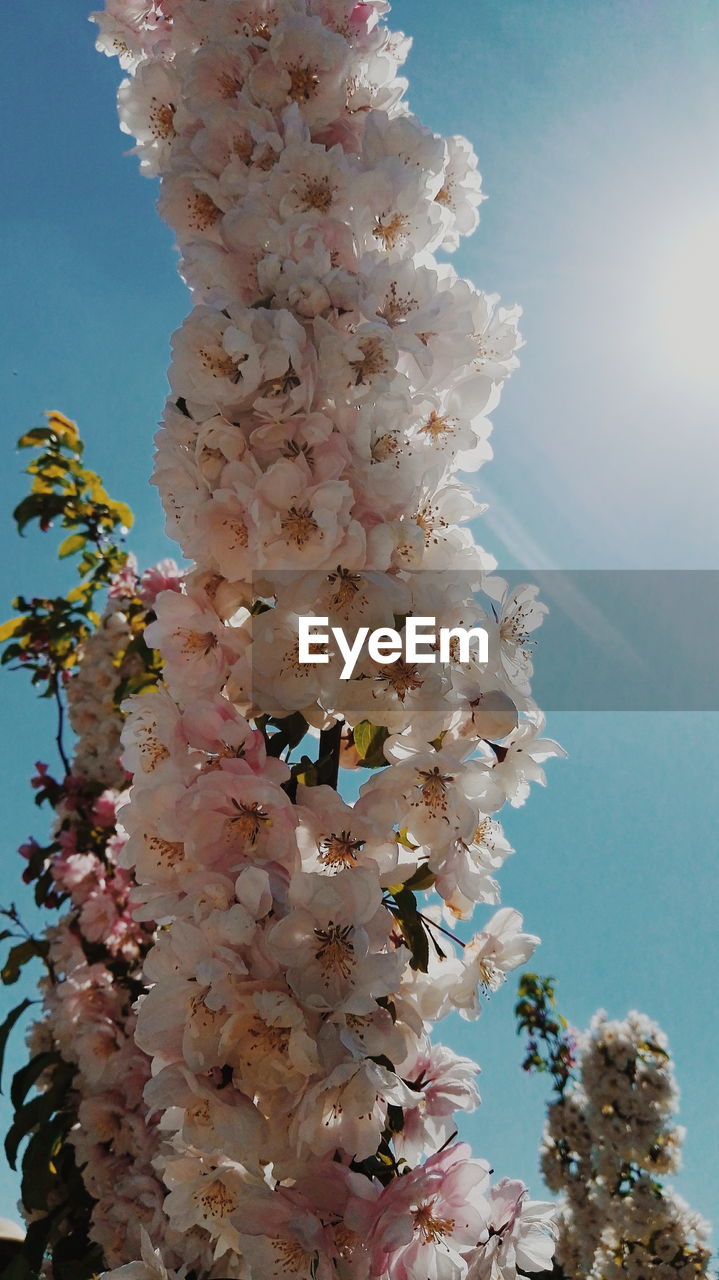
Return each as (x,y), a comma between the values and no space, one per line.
(60,725)
(328,763)
(432,924)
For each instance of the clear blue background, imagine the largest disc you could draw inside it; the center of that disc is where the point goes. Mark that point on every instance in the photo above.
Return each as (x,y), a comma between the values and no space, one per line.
(596,123)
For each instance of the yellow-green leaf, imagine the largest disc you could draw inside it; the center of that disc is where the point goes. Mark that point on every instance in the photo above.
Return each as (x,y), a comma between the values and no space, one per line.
(54,470)
(124,513)
(369,740)
(11,628)
(95,488)
(71,545)
(37,436)
(63,427)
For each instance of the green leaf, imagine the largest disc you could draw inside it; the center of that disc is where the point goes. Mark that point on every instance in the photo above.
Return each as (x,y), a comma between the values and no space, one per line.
(44,885)
(395,1118)
(12,651)
(382,1061)
(38,506)
(70,546)
(27,1118)
(28,510)
(384,1002)
(38,435)
(143,682)
(413,929)
(369,740)
(24,1079)
(39,1112)
(74,1257)
(305,771)
(422,879)
(7,1027)
(18,956)
(36,1241)
(39,1173)
(290,731)
(19,1268)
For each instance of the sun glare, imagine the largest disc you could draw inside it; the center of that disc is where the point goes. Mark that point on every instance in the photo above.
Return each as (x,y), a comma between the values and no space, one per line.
(687,303)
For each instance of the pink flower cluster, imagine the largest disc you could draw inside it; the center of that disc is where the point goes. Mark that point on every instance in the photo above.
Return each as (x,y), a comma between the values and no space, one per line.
(96,950)
(329,383)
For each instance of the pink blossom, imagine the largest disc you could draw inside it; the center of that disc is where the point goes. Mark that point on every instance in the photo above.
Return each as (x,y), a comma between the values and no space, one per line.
(78,874)
(103,810)
(420,1225)
(124,583)
(98,916)
(163,576)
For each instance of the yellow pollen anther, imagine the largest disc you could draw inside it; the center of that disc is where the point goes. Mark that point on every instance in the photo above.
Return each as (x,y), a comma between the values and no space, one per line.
(372,361)
(348,584)
(202,211)
(336,952)
(167,852)
(396,307)
(300,525)
(228,84)
(402,677)
(391,229)
(216,1200)
(318,194)
(249,820)
(152,751)
(438,427)
(433,786)
(340,850)
(292,1259)
(237,532)
(430,1228)
(197,642)
(304,82)
(218,363)
(162,119)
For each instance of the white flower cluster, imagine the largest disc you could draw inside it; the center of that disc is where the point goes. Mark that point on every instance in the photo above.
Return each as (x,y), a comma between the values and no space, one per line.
(328,384)
(606,1141)
(96,949)
(90,688)
(90,693)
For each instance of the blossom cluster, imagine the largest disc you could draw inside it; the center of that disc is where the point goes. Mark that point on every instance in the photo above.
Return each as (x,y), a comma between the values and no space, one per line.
(95,950)
(608,1139)
(107,659)
(329,383)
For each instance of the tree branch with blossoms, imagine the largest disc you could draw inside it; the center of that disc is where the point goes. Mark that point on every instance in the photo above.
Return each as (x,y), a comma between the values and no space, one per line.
(77,1103)
(327,386)
(608,1137)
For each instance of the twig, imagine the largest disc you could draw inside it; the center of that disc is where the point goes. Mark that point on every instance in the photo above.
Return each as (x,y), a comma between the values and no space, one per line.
(432,924)
(328,763)
(60,725)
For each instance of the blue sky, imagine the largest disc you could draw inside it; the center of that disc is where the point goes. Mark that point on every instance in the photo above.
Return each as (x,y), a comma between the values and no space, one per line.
(596,124)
